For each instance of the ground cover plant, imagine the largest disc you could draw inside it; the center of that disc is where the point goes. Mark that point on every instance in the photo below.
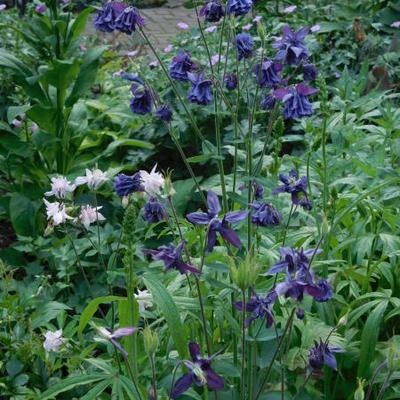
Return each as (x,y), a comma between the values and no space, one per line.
(218,219)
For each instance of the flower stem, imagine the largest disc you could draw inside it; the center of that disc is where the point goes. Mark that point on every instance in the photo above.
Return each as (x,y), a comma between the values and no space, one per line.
(242,385)
(132,375)
(203,318)
(154,376)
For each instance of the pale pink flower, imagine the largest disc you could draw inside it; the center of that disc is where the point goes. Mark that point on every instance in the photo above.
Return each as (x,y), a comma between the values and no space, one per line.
(132,53)
(395,24)
(53,340)
(34,127)
(247,27)
(211,29)
(17,123)
(41,9)
(215,59)
(290,9)
(182,25)
(2,7)
(257,18)
(315,28)
(90,214)
(93,178)
(57,212)
(60,186)
(169,48)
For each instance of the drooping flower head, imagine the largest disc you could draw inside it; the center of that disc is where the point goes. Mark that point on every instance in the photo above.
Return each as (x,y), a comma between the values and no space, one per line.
(296,187)
(124,185)
(90,214)
(53,341)
(60,186)
(231,81)
(94,179)
(245,44)
(128,20)
(293,260)
(268,101)
(213,11)
(259,307)
(142,102)
(310,72)
(152,181)
(291,46)
(200,91)
(258,190)
(180,66)
(172,258)
(268,73)
(239,7)
(106,17)
(200,373)
(322,354)
(164,112)
(217,225)
(56,212)
(41,8)
(154,211)
(143,298)
(265,214)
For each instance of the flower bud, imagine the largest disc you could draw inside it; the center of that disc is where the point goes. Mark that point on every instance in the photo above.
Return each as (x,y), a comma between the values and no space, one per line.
(261,32)
(359,393)
(168,188)
(150,340)
(245,275)
(325,225)
(343,320)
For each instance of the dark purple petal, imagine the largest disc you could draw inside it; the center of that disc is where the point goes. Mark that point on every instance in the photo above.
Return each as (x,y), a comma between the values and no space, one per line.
(330,360)
(278,267)
(194,350)
(212,239)
(214,381)
(122,332)
(213,203)
(181,385)
(198,218)
(230,236)
(235,216)
(304,90)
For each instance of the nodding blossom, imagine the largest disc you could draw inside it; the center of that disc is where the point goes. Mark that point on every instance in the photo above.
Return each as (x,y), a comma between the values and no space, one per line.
(154,211)
(245,44)
(268,101)
(60,187)
(231,81)
(296,100)
(152,182)
(143,298)
(259,307)
(258,189)
(291,46)
(142,102)
(17,123)
(90,214)
(164,112)
(265,214)
(34,127)
(296,187)
(212,11)
(268,73)
(94,179)
(128,20)
(200,90)
(217,225)
(41,8)
(172,258)
(106,17)
(180,66)
(395,24)
(56,212)
(200,373)
(53,341)
(322,354)
(3,7)
(124,185)
(310,72)
(239,7)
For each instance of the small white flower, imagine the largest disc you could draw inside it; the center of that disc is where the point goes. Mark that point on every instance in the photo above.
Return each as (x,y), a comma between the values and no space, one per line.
(257,18)
(153,182)
(89,215)
(211,29)
(315,28)
(93,178)
(290,9)
(60,186)
(395,24)
(57,212)
(169,48)
(144,299)
(182,25)
(247,27)
(53,340)
(34,127)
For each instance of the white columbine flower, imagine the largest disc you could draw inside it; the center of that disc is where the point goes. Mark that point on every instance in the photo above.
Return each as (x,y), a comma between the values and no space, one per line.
(57,212)
(93,178)
(53,340)
(60,186)
(144,299)
(153,182)
(89,215)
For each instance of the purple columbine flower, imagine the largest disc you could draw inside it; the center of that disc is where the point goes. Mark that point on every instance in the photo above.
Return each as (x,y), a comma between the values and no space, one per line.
(310,72)
(215,224)
(125,184)
(128,20)
(200,373)
(132,78)
(291,46)
(268,101)
(200,91)
(41,9)
(293,260)
(239,7)
(172,258)
(245,45)
(154,211)
(142,102)
(106,17)
(265,214)
(231,81)
(296,187)
(213,11)
(322,354)
(117,334)
(180,66)
(258,189)
(259,307)
(268,73)
(164,112)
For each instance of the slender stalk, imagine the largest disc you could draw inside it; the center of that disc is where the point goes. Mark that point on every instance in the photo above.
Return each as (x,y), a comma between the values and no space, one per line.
(324,164)
(275,354)
(242,385)
(173,378)
(203,318)
(375,374)
(384,385)
(132,376)
(287,225)
(154,376)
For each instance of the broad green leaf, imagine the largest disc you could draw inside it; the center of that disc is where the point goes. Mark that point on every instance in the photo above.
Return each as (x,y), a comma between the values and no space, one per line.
(165,302)
(91,308)
(369,338)
(93,393)
(77,26)
(44,116)
(126,142)
(70,383)
(23,214)
(47,312)
(62,73)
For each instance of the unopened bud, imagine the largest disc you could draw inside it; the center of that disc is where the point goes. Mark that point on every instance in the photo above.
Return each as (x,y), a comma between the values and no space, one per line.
(168,188)
(325,225)
(359,393)
(125,201)
(261,32)
(343,320)
(245,275)
(150,340)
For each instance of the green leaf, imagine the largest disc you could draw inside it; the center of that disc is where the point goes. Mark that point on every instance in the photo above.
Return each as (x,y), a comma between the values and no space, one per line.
(369,338)
(165,302)
(61,74)
(91,308)
(70,383)
(47,312)
(13,111)
(44,117)
(77,26)
(126,142)
(93,393)
(23,214)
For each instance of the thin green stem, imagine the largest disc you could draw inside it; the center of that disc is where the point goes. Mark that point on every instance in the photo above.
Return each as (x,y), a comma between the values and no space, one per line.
(242,384)
(132,376)
(324,163)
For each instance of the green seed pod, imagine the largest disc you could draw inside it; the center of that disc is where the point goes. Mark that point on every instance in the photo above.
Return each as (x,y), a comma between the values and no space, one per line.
(245,275)
(150,340)
(359,393)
